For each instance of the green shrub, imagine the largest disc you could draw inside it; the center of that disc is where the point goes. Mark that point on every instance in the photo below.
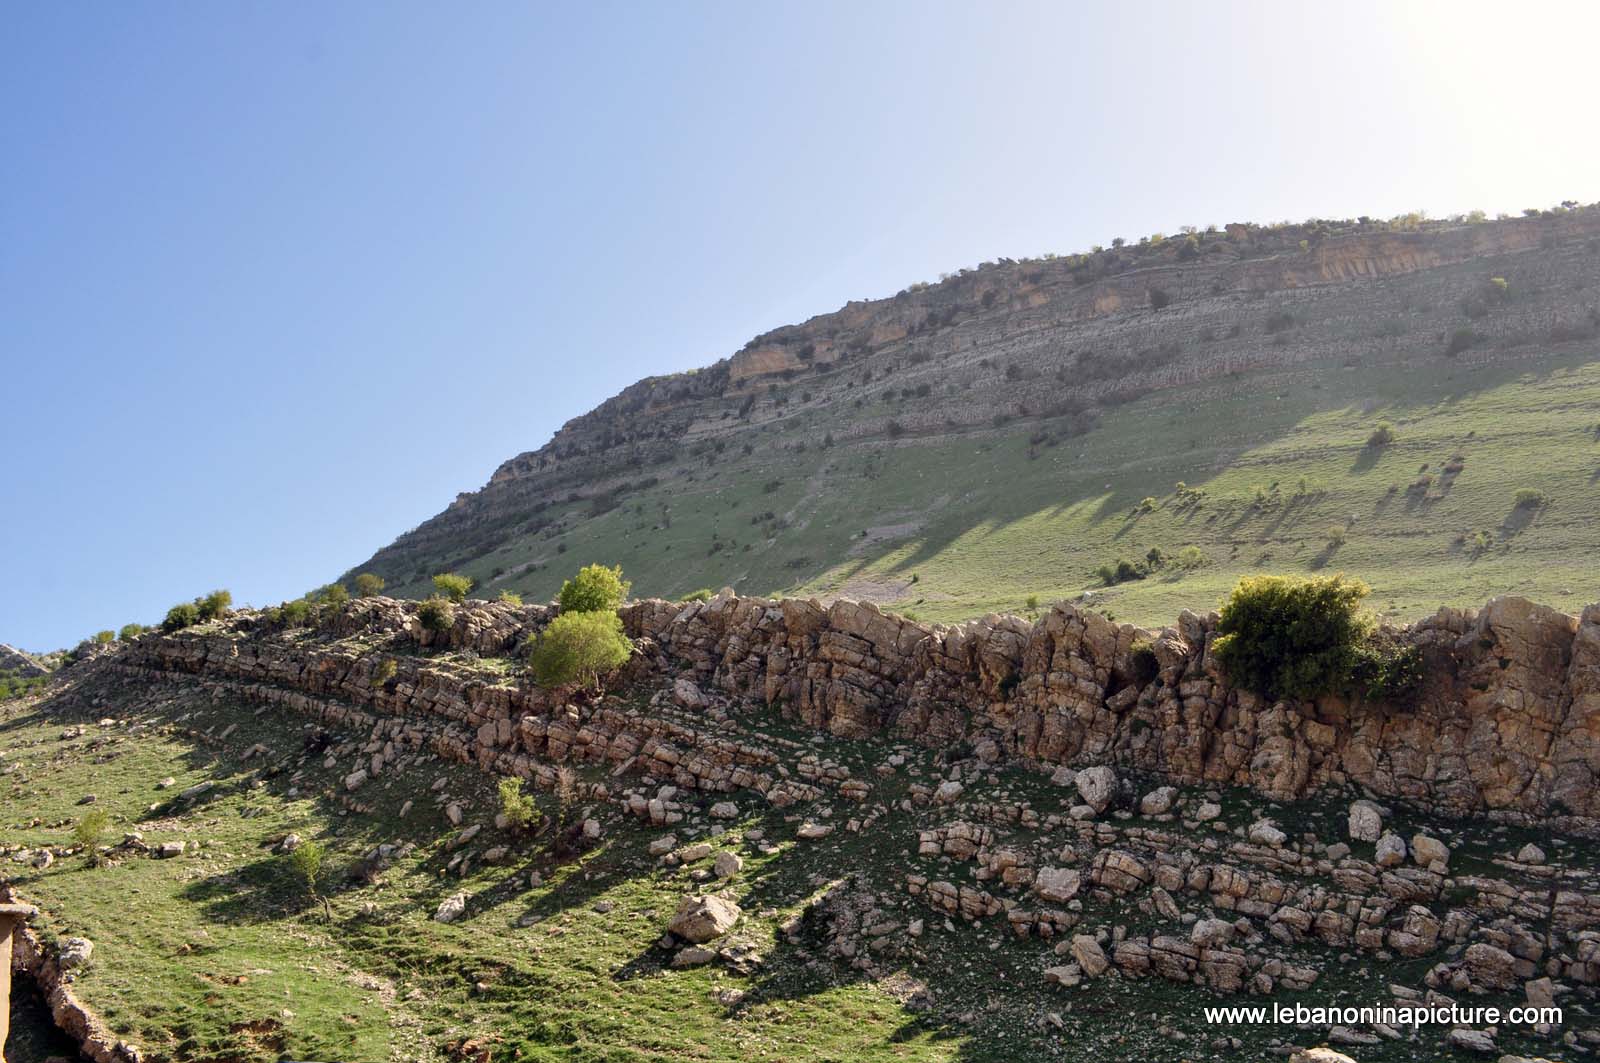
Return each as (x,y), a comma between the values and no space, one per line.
(1033,603)
(595,589)
(1387,669)
(1160,298)
(369,584)
(335,595)
(105,638)
(509,598)
(1191,558)
(1460,340)
(516,806)
(701,595)
(1528,498)
(180,616)
(90,830)
(215,605)
(1121,572)
(1382,435)
(452,586)
(386,670)
(296,612)
(1285,637)
(578,648)
(1336,534)
(307,863)
(130,632)
(436,615)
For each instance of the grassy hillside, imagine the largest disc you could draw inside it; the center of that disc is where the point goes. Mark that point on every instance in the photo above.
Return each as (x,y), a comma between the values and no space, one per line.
(958,524)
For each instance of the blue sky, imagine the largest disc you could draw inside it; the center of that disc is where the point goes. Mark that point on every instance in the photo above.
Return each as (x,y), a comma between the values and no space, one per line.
(277,280)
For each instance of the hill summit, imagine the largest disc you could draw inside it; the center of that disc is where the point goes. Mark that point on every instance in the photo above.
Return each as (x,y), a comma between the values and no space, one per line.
(1415,402)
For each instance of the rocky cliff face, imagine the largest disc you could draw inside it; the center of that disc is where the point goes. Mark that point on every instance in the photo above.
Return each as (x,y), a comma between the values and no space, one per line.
(1508,722)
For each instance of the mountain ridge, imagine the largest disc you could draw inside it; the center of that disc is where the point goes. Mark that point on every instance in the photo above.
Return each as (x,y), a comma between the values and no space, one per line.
(1026,352)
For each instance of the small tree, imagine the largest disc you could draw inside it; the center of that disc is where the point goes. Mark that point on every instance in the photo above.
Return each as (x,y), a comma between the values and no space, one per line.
(215,605)
(105,638)
(369,584)
(579,648)
(517,806)
(452,586)
(594,589)
(180,616)
(1280,636)
(1382,435)
(1191,558)
(130,632)
(436,615)
(89,831)
(335,595)
(307,862)
(1528,498)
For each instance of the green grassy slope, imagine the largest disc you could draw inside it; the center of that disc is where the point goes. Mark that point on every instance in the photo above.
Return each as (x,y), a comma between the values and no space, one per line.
(981,521)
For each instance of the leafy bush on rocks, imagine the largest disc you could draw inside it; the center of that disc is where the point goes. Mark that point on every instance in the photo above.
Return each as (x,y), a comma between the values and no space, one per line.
(579,648)
(594,589)
(436,614)
(1285,637)
(452,586)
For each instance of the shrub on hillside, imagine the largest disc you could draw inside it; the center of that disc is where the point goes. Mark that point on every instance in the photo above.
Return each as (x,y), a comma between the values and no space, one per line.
(436,614)
(1120,572)
(1528,498)
(1285,637)
(452,586)
(701,595)
(1160,298)
(1387,669)
(130,632)
(579,648)
(90,831)
(1191,558)
(295,613)
(386,670)
(509,598)
(1382,435)
(105,638)
(1460,340)
(335,595)
(369,584)
(1143,662)
(516,806)
(215,605)
(180,616)
(594,589)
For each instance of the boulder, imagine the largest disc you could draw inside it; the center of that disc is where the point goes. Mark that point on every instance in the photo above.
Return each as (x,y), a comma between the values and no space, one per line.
(1263,832)
(1211,933)
(1391,850)
(701,918)
(75,952)
(1365,822)
(727,864)
(1057,885)
(1530,854)
(451,908)
(1097,786)
(1089,955)
(1427,850)
(1158,801)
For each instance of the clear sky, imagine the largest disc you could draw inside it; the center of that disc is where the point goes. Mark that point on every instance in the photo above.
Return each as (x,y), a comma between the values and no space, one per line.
(277,280)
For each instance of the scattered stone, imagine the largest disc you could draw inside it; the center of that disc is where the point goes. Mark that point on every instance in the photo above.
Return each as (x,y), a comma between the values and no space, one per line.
(948,793)
(812,831)
(75,952)
(1097,786)
(664,845)
(1365,822)
(451,908)
(1530,854)
(1158,801)
(727,864)
(1391,850)
(1427,851)
(1264,833)
(724,810)
(701,918)
(167,850)
(1470,1040)
(693,956)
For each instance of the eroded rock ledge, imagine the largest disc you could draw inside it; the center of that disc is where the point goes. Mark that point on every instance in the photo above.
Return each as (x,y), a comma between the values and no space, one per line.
(1508,723)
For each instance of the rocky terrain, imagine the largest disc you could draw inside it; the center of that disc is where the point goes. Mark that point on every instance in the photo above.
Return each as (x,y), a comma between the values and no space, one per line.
(865,447)
(1087,809)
